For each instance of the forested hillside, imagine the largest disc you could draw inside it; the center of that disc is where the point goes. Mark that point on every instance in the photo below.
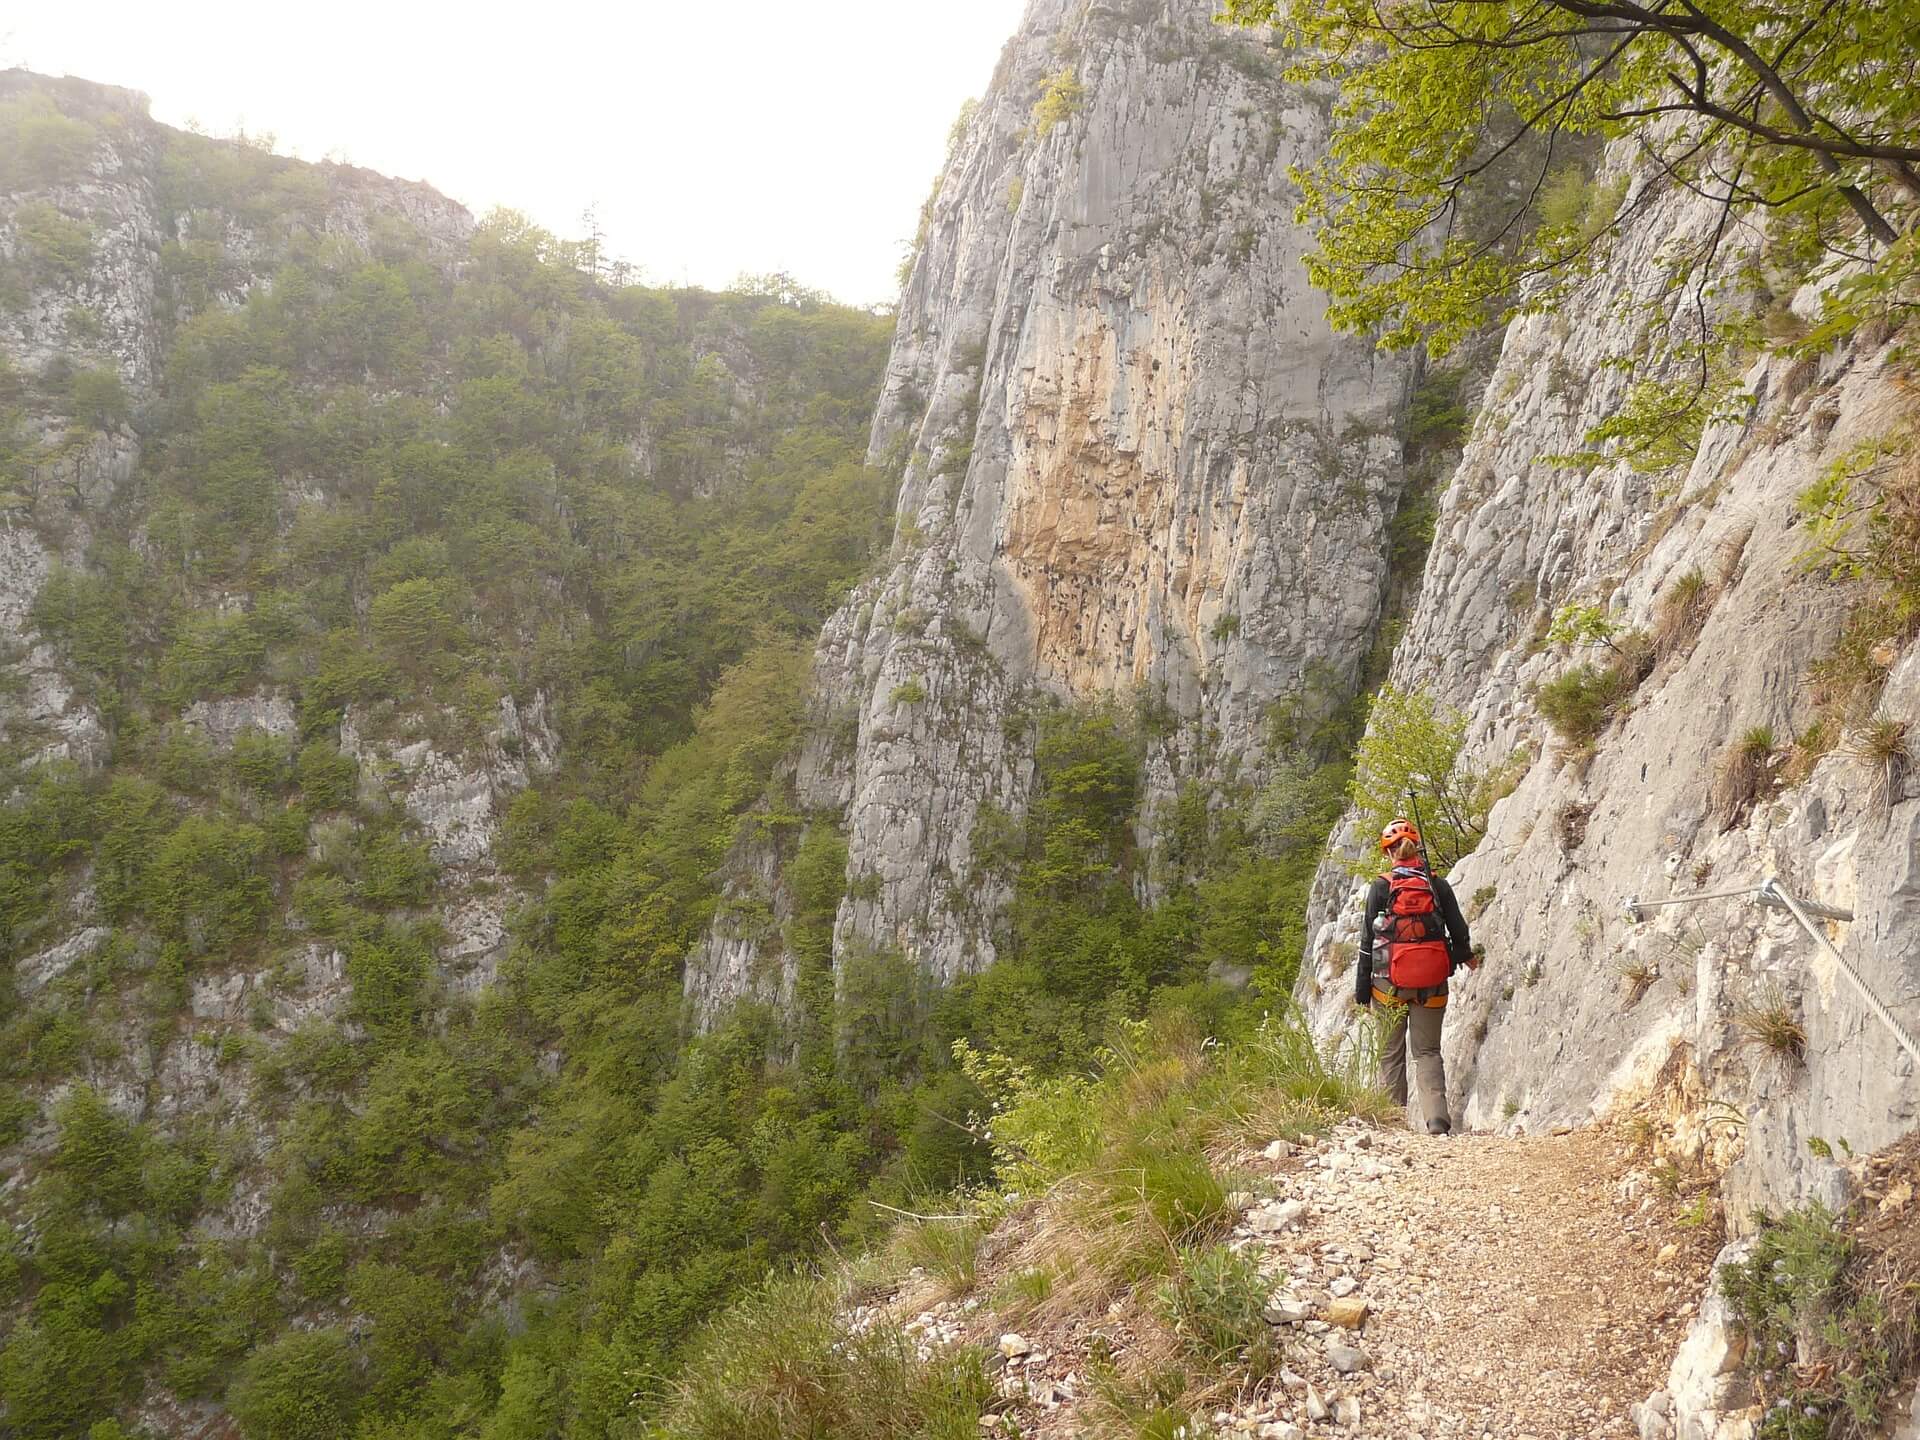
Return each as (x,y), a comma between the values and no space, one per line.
(345,534)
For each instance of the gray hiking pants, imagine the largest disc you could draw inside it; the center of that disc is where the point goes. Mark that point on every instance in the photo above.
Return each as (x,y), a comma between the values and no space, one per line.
(1415,1030)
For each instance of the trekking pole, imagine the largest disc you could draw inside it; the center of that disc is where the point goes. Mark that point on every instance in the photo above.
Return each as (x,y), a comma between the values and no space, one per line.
(1420,828)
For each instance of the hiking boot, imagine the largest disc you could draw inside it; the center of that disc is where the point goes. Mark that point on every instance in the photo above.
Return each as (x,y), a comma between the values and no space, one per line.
(1442,1126)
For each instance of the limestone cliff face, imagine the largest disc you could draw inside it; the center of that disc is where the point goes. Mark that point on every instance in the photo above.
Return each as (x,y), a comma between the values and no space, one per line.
(1579,1007)
(1135,461)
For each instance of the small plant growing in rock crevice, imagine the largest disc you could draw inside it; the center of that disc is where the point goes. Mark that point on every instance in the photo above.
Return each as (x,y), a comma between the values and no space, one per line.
(1214,1303)
(947,1249)
(1638,976)
(1767,1019)
(1807,749)
(1744,775)
(1061,99)
(1828,1303)
(1580,703)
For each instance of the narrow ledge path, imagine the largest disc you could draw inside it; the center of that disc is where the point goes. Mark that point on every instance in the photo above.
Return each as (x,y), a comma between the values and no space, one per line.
(1514,1288)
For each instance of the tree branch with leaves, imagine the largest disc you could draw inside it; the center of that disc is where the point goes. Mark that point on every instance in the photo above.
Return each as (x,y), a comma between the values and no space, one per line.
(1452,118)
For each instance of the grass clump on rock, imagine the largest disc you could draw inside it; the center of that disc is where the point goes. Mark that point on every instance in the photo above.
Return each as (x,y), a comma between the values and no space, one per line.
(1682,610)
(1583,701)
(1745,774)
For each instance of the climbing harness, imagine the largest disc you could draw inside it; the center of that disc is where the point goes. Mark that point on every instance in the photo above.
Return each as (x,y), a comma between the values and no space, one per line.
(1774,896)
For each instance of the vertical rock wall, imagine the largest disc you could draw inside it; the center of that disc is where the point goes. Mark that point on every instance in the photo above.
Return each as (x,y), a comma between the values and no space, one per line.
(1135,462)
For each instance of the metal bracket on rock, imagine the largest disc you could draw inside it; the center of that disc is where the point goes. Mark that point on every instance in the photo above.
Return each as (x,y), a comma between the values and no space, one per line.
(1774,896)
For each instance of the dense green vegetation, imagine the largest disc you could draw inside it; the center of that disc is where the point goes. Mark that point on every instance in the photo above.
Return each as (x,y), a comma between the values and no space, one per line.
(1114,1174)
(386,485)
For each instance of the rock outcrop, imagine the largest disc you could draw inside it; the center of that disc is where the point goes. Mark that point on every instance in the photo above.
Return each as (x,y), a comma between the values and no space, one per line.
(1579,1006)
(1135,462)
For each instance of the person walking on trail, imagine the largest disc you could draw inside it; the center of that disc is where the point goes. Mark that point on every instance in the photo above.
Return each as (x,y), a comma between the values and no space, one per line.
(1413,939)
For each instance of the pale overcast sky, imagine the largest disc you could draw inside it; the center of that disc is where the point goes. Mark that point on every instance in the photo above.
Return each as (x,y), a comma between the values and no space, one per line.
(751,136)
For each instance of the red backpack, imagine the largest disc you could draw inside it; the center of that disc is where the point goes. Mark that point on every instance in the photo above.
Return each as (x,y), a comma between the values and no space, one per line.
(1417,954)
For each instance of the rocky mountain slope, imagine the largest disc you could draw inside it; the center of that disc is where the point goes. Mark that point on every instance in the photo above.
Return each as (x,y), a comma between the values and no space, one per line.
(503,846)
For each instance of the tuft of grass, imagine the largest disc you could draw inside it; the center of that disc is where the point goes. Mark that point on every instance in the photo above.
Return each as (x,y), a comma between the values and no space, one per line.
(1583,701)
(1743,776)
(787,1363)
(1767,1019)
(1640,1132)
(1681,612)
(1807,749)
(1024,1291)
(1133,1192)
(1884,743)
(948,1250)
(1697,1212)
(1140,1406)
(1730,557)
(1668,1179)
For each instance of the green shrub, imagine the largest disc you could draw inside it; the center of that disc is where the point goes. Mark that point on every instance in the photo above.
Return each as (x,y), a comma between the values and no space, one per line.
(56,250)
(1413,746)
(329,778)
(1832,1327)
(1437,417)
(262,761)
(783,1364)
(206,888)
(96,399)
(414,619)
(390,870)
(44,823)
(1583,701)
(1060,98)
(100,1155)
(388,971)
(323,903)
(62,1367)
(1215,1303)
(212,654)
(88,617)
(303,1386)
(41,145)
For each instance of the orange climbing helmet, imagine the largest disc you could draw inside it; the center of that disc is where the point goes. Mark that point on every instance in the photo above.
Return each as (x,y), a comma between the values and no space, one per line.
(1397,831)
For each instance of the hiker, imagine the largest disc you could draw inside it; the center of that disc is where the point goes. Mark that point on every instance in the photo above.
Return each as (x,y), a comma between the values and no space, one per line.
(1414,938)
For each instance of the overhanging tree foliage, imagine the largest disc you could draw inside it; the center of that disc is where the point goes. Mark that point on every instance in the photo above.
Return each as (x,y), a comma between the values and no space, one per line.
(1454,191)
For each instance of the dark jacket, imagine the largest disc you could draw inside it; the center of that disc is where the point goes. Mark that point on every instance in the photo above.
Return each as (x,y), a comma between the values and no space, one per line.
(1459,942)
